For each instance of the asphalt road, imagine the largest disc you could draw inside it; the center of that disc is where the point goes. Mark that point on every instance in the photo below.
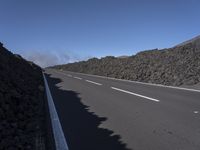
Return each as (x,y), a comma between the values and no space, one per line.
(104,114)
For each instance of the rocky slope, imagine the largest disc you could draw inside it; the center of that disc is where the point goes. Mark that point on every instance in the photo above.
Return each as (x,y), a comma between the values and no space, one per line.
(21,102)
(175,66)
(195,41)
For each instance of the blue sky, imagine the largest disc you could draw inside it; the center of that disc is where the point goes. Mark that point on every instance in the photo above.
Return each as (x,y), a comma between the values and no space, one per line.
(71,30)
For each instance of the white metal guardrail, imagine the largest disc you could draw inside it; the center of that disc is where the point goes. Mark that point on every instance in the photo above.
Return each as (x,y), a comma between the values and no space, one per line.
(59,137)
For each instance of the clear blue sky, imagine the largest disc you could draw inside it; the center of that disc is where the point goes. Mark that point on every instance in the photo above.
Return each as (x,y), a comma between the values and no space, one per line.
(83,28)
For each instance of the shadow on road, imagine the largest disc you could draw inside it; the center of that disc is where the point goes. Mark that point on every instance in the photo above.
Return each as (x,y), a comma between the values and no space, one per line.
(79,125)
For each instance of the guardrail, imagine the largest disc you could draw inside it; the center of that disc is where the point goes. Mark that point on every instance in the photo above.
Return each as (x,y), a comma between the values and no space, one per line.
(60,141)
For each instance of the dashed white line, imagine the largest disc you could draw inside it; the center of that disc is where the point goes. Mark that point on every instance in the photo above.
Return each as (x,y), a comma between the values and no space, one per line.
(69,75)
(60,73)
(144,83)
(78,78)
(196,112)
(93,82)
(128,92)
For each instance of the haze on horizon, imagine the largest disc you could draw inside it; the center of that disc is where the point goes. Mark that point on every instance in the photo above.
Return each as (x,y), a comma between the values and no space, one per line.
(51,32)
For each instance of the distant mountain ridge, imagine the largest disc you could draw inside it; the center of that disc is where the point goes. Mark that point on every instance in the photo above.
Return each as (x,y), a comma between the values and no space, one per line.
(175,66)
(195,41)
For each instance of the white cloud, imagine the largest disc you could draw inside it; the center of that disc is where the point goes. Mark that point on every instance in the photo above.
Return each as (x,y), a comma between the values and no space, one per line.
(45,59)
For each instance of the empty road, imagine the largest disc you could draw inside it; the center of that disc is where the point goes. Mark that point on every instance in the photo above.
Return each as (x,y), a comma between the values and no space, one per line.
(105,114)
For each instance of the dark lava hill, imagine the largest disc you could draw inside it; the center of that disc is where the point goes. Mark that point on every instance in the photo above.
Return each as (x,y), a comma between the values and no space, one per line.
(21,102)
(195,41)
(175,66)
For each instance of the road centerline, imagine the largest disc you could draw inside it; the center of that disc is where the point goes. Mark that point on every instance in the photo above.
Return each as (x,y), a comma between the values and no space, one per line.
(93,82)
(138,82)
(78,78)
(69,75)
(128,92)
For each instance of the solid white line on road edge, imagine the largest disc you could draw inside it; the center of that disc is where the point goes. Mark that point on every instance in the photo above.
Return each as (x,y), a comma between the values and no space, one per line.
(153,84)
(59,137)
(78,78)
(149,98)
(93,82)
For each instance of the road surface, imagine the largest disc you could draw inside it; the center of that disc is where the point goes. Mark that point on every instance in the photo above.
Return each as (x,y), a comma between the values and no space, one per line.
(106,114)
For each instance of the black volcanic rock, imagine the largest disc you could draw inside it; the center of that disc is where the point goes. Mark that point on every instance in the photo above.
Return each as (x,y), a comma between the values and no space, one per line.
(174,66)
(195,41)
(21,102)
(1,44)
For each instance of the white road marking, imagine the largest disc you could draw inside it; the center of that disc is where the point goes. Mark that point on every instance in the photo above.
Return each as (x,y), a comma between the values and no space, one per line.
(78,78)
(153,84)
(69,75)
(59,137)
(60,73)
(149,98)
(93,82)
(196,112)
